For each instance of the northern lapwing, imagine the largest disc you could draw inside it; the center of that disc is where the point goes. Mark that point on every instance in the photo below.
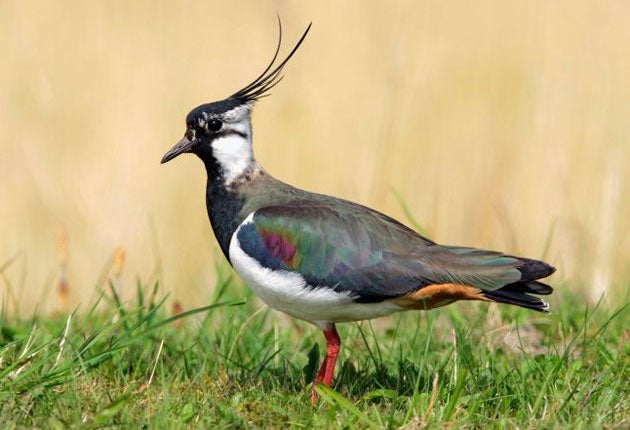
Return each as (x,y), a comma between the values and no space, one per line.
(327,260)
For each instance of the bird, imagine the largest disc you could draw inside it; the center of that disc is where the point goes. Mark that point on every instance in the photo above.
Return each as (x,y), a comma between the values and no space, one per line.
(326,260)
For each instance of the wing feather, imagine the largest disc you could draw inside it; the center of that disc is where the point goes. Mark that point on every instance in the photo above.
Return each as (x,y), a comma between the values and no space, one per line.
(353,249)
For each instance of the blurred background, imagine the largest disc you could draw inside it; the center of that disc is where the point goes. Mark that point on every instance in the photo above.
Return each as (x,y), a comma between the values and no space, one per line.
(500,124)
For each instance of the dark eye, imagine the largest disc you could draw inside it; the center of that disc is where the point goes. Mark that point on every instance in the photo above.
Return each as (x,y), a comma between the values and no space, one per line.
(214,125)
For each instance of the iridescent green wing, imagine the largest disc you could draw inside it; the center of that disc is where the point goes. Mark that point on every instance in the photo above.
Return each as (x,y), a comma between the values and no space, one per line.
(353,249)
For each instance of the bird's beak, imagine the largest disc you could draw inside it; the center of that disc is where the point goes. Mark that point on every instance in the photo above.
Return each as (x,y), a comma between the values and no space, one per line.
(180,147)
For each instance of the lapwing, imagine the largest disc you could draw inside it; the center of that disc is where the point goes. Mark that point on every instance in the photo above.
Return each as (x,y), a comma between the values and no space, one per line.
(323,259)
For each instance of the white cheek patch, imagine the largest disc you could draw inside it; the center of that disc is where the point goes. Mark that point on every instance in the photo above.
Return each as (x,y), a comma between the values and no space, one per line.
(234,155)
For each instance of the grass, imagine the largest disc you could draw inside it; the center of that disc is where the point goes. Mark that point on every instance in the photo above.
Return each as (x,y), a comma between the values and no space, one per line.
(235,364)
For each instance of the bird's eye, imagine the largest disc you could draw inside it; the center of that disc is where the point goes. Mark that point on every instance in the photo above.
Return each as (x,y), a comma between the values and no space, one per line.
(214,125)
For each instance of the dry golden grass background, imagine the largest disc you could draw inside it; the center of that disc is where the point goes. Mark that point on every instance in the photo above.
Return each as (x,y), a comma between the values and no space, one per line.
(502,124)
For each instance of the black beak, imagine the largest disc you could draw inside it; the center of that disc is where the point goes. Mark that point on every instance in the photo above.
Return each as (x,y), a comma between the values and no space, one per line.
(180,147)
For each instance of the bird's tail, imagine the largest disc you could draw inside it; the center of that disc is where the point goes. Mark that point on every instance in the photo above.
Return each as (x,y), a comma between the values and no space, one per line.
(518,294)
(492,275)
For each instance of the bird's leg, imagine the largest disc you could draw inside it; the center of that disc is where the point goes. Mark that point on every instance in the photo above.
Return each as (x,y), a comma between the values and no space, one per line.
(322,369)
(333,344)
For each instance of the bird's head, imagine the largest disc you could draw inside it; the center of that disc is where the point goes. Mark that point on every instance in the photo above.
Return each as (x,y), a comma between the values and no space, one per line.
(220,132)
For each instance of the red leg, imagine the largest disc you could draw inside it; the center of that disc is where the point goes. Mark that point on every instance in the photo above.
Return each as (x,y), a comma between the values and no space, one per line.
(327,369)
(322,370)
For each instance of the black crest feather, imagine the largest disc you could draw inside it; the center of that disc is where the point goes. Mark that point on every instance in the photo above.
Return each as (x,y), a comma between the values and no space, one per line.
(268,78)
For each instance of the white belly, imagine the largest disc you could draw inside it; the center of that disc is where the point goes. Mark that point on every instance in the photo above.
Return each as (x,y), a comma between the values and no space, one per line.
(289,293)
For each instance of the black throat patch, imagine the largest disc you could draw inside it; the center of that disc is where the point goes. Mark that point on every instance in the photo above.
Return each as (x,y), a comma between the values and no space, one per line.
(224,205)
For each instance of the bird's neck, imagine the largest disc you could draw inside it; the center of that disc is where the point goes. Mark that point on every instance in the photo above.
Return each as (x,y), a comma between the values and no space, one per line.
(224,197)
(224,205)
(229,203)
(238,185)
(232,153)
